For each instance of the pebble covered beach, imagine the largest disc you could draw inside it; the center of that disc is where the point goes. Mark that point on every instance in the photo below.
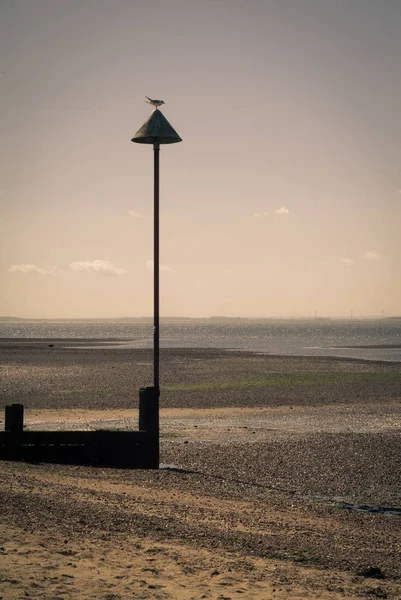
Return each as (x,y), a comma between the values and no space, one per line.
(281,475)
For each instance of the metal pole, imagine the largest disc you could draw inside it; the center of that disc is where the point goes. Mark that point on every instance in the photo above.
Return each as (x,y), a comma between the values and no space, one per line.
(156,346)
(156,130)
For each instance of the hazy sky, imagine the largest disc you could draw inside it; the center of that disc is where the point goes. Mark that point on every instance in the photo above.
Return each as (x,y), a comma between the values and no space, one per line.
(283,198)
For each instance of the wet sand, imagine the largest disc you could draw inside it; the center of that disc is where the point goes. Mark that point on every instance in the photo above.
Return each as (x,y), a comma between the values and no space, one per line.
(45,374)
(265,458)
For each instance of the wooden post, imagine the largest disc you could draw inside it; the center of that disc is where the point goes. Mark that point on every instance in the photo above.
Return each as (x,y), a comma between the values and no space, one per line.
(149,410)
(149,423)
(14,418)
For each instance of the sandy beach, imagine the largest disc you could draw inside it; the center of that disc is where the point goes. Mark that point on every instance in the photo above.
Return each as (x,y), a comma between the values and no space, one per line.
(280,478)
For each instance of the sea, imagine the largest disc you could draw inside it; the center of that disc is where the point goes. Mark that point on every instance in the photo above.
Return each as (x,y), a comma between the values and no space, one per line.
(368,339)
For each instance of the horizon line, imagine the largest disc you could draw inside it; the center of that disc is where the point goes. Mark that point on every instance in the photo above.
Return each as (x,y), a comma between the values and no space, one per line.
(211,317)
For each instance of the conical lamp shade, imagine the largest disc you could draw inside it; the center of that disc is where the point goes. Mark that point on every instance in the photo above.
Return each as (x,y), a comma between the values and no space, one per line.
(156,129)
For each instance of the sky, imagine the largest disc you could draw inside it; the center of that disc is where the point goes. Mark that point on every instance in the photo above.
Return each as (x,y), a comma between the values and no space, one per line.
(283,199)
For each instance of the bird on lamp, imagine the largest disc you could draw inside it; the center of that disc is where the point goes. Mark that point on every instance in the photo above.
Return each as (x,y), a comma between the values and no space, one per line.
(155,103)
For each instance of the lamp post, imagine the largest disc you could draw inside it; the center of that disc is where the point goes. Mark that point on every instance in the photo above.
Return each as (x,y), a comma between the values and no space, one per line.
(156,130)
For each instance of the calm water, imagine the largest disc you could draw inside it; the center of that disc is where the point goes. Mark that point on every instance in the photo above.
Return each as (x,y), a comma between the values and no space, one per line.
(306,338)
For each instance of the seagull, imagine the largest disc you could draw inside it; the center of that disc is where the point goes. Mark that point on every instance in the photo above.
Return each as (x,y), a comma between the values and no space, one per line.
(155,103)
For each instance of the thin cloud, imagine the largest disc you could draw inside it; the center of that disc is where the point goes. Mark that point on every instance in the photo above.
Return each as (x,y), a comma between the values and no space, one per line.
(166,268)
(31,268)
(283,210)
(102,267)
(347,262)
(372,256)
(258,215)
(202,284)
(134,214)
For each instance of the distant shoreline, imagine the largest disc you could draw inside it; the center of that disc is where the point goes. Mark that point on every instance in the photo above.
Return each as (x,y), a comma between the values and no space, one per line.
(122,346)
(367,346)
(112,342)
(119,340)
